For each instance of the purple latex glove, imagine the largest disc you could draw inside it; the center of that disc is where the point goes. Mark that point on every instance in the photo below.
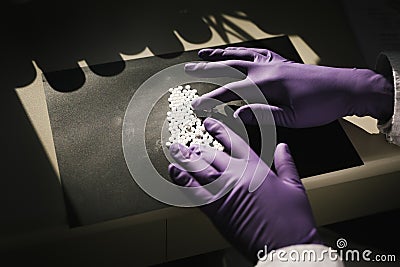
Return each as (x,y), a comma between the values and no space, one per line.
(277,214)
(298,95)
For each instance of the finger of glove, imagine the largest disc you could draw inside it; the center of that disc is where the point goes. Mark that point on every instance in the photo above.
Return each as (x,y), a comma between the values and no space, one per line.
(218,159)
(228,68)
(233,143)
(229,92)
(262,114)
(193,162)
(284,164)
(267,54)
(227,54)
(182,178)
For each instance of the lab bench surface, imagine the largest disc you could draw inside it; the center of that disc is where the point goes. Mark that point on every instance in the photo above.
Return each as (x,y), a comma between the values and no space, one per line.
(100,145)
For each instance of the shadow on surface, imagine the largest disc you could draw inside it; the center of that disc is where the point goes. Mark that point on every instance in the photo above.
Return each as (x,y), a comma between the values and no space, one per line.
(59,34)
(31,197)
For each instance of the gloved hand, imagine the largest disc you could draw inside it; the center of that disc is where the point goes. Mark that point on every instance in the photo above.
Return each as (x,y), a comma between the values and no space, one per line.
(298,95)
(277,214)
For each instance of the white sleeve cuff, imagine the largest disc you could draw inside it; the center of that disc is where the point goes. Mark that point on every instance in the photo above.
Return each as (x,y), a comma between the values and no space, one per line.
(307,255)
(388,64)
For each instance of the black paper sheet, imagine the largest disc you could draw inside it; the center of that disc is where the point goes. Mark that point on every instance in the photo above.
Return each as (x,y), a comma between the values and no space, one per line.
(87,129)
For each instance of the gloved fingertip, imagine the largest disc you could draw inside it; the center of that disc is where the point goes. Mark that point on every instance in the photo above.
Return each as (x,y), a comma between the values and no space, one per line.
(196,103)
(209,123)
(244,113)
(204,52)
(179,151)
(203,104)
(195,148)
(236,114)
(281,149)
(171,169)
(284,164)
(174,149)
(177,175)
(190,66)
(286,148)
(184,150)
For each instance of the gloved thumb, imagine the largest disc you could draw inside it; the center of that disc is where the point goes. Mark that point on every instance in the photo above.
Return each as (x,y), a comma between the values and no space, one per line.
(263,114)
(284,164)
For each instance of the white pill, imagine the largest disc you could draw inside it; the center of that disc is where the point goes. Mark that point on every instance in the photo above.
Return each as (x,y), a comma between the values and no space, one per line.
(184,126)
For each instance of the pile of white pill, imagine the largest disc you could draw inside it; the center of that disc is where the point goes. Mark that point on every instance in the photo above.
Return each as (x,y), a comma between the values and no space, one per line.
(184,126)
